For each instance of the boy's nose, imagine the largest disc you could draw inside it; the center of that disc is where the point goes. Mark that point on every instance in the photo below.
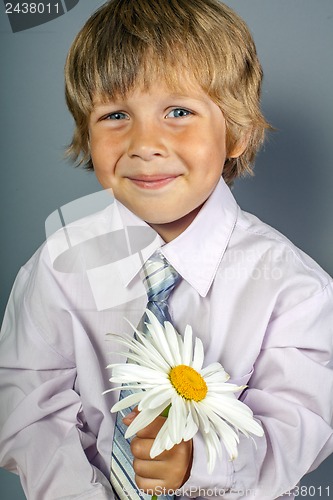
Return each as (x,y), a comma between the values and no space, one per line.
(147,142)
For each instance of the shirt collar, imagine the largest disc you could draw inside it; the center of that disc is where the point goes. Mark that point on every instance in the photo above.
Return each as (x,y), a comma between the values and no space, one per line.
(198,251)
(142,242)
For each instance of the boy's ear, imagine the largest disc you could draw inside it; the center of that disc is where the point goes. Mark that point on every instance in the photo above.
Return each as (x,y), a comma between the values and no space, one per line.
(240,146)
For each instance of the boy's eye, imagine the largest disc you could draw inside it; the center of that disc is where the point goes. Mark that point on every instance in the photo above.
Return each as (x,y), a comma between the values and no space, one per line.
(178,113)
(116,116)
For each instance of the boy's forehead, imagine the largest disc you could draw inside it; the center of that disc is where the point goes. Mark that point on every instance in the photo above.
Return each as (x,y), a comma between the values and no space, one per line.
(187,87)
(179,75)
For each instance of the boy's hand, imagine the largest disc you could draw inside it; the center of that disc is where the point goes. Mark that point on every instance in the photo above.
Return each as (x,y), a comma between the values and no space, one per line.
(169,470)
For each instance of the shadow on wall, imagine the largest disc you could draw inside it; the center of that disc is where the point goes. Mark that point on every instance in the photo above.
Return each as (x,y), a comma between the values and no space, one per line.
(291,189)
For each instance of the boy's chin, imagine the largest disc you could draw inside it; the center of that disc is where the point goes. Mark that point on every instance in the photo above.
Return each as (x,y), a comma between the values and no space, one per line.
(172,227)
(155,216)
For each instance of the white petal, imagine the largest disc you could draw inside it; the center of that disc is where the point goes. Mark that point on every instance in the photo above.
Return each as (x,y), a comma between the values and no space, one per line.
(213,449)
(158,337)
(235,412)
(188,347)
(161,442)
(132,345)
(227,434)
(135,373)
(144,418)
(177,419)
(198,356)
(194,413)
(152,352)
(214,368)
(130,400)
(220,377)
(146,345)
(204,423)
(172,339)
(191,427)
(156,397)
(221,388)
(124,338)
(142,347)
(154,362)
(133,387)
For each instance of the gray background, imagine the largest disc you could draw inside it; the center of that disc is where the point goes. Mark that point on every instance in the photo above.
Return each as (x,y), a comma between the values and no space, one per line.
(293,186)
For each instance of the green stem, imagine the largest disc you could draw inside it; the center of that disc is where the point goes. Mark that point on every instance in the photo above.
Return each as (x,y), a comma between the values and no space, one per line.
(165,412)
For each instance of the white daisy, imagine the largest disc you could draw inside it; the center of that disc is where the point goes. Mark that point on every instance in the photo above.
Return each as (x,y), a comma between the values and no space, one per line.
(167,373)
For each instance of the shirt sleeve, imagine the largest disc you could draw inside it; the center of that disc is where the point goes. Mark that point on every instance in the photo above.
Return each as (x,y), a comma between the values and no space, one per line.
(43,436)
(291,393)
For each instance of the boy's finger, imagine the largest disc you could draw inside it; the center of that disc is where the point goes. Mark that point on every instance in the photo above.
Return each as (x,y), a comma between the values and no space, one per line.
(150,432)
(128,419)
(141,450)
(149,484)
(148,469)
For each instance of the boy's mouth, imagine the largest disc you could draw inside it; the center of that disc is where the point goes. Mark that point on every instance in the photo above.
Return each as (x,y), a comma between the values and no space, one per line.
(153,181)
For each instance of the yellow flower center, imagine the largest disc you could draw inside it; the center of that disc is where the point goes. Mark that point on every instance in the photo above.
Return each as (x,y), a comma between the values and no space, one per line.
(188,382)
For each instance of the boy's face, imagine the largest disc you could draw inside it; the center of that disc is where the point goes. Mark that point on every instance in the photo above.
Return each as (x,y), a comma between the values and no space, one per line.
(161,152)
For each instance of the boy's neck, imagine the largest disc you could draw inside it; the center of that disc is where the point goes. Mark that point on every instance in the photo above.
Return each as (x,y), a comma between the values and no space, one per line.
(171,230)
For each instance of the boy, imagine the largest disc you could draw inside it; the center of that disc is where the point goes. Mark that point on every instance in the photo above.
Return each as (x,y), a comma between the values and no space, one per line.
(165,97)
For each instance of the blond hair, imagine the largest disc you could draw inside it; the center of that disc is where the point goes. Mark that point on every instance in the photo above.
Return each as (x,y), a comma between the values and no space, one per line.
(130,42)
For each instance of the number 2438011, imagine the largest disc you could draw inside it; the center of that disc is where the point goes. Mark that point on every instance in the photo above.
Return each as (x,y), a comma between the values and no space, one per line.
(32,8)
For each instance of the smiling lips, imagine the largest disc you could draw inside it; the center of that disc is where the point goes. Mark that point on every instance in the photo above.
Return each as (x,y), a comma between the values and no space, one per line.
(153,181)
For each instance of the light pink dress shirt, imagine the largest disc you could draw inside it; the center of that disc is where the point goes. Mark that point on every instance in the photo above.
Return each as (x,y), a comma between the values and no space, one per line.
(262,308)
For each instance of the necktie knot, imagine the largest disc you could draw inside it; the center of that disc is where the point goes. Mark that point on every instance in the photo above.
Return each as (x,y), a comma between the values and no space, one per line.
(159,278)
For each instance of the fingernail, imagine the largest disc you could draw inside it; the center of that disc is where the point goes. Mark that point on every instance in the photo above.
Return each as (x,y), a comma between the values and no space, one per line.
(131,415)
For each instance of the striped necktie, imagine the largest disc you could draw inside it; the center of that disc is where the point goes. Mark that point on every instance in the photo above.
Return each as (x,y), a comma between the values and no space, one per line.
(159,278)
